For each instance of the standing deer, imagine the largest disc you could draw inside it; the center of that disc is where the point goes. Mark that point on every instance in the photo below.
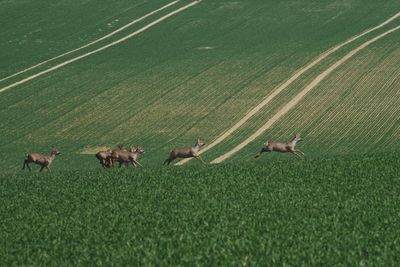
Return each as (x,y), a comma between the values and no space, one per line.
(44,161)
(283,147)
(188,152)
(105,158)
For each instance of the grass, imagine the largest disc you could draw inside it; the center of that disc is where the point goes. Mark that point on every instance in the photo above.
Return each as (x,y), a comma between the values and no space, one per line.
(334,211)
(160,90)
(196,74)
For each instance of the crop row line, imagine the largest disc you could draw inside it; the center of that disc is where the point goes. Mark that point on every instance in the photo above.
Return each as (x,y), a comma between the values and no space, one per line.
(293,102)
(148,26)
(277,91)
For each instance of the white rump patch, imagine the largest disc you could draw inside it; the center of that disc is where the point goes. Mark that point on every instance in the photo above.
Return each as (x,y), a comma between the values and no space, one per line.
(205,47)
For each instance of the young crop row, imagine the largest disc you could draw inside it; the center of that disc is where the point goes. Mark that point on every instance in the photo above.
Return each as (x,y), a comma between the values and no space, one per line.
(334,211)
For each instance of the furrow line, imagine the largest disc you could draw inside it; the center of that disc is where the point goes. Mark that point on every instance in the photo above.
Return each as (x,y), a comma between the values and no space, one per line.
(291,104)
(93,42)
(148,26)
(286,84)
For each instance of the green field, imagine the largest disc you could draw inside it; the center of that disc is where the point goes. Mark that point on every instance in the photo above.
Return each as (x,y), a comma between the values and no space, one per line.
(196,74)
(332,212)
(163,88)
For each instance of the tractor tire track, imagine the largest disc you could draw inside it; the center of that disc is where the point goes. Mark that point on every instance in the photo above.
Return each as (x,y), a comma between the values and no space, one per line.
(93,42)
(282,87)
(148,26)
(292,103)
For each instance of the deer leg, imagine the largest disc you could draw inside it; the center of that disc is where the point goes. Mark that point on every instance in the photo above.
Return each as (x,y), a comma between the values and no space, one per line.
(102,163)
(41,169)
(48,168)
(137,163)
(168,160)
(261,151)
(29,167)
(105,163)
(108,162)
(199,158)
(301,152)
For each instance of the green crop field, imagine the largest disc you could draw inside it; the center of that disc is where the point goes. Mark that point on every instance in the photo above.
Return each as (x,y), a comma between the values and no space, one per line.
(336,212)
(86,75)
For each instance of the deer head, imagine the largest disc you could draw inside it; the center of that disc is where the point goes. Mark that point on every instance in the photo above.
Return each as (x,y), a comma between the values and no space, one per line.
(200,143)
(54,151)
(139,149)
(297,137)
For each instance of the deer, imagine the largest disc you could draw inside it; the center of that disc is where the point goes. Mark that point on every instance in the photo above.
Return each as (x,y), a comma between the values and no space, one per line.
(110,158)
(188,152)
(125,157)
(39,159)
(283,147)
(105,158)
(134,156)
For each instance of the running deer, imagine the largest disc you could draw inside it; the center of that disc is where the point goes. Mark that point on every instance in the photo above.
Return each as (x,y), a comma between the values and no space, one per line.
(105,158)
(189,152)
(125,157)
(39,159)
(115,154)
(283,147)
(134,156)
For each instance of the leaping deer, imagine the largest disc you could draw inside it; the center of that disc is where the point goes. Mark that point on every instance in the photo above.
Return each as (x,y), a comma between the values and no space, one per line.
(44,161)
(189,152)
(283,147)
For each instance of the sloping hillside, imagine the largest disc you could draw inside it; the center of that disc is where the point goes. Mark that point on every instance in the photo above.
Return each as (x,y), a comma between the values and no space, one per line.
(195,69)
